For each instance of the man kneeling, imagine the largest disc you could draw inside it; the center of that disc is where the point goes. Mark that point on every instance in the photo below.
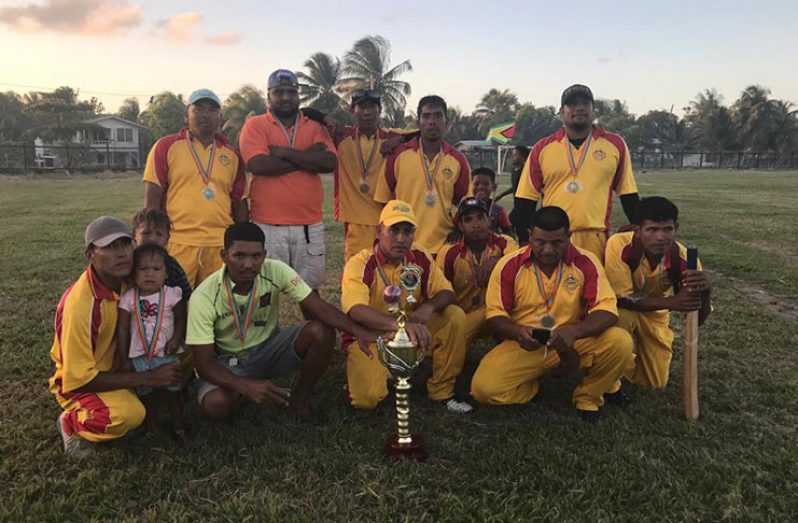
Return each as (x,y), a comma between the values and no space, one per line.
(233,332)
(434,322)
(648,271)
(555,310)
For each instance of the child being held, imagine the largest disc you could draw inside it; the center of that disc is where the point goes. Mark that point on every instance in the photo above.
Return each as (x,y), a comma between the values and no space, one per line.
(154,226)
(151,329)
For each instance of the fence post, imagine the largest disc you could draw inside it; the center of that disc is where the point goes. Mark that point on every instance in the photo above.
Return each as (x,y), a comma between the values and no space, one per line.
(792,157)
(661,159)
(739,160)
(720,159)
(69,158)
(108,155)
(25,157)
(756,160)
(681,161)
(701,159)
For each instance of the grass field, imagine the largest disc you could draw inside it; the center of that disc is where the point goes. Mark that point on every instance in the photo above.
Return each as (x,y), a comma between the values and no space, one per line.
(738,462)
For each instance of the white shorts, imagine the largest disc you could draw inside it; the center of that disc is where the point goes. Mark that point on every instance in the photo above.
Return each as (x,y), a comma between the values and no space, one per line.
(300,246)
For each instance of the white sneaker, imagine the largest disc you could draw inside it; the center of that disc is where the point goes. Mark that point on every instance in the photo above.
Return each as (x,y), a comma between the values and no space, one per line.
(74,445)
(458,407)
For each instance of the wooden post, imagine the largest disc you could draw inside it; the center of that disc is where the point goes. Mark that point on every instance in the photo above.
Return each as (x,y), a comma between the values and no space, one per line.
(690,355)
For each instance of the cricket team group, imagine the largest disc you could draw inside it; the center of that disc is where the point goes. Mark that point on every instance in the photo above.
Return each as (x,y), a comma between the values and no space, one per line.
(189,296)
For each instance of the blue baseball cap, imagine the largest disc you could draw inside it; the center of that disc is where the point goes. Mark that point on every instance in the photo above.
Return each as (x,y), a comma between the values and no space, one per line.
(204,94)
(281,76)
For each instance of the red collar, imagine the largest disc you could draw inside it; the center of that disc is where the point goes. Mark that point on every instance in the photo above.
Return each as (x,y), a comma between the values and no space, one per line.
(98,288)
(218,137)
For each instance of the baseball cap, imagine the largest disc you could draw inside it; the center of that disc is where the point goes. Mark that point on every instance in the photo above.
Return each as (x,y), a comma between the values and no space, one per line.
(397,211)
(204,94)
(102,231)
(576,90)
(359,95)
(281,76)
(469,204)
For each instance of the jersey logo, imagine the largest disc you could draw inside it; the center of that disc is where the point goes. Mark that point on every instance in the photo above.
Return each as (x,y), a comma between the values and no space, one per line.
(266,300)
(570,282)
(447,172)
(224,159)
(599,155)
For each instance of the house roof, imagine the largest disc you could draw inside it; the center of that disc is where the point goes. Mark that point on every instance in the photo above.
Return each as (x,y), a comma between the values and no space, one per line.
(106,117)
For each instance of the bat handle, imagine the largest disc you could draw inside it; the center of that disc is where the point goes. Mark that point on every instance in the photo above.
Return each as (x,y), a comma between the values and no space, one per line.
(692,258)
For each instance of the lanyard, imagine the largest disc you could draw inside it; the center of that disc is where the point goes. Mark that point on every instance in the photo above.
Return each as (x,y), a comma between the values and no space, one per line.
(242,320)
(574,167)
(149,344)
(429,178)
(364,166)
(380,270)
(548,300)
(205,172)
(290,136)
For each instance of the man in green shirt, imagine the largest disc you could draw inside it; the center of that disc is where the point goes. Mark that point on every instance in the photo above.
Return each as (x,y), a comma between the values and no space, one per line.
(238,347)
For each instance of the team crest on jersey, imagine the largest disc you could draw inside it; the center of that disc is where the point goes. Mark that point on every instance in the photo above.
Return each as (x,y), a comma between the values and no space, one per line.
(599,155)
(447,172)
(224,159)
(570,282)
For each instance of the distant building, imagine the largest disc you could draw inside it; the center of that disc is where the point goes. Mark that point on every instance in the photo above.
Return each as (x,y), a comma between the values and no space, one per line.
(106,142)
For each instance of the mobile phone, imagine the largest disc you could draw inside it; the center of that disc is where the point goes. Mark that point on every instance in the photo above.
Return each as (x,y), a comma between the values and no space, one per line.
(541,335)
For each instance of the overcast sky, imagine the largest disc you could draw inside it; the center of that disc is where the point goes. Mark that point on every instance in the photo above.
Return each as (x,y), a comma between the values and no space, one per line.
(651,58)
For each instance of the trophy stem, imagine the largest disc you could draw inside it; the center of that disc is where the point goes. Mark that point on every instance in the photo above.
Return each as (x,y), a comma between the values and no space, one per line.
(403,411)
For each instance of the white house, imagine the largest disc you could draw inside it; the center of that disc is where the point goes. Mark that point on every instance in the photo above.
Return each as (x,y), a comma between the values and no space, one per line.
(114,143)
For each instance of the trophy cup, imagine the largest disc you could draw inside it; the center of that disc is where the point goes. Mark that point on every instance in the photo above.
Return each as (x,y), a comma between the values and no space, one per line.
(401,357)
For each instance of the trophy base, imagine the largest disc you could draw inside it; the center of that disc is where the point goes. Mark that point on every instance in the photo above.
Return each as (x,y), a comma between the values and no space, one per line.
(413,451)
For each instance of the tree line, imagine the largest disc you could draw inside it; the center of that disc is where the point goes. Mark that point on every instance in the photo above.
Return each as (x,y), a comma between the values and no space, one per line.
(753,122)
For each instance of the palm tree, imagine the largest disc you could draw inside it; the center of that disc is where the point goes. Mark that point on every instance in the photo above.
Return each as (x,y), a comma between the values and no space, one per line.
(368,65)
(129,110)
(712,121)
(247,101)
(495,107)
(320,89)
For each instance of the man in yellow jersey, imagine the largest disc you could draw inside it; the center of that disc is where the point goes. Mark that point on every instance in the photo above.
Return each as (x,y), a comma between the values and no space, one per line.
(234,335)
(429,174)
(469,263)
(198,179)
(578,169)
(647,268)
(555,310)
(360,164)
(97,401)
(434,322)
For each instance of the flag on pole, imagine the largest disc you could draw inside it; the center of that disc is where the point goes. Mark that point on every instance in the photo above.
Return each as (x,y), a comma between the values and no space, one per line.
(501,134)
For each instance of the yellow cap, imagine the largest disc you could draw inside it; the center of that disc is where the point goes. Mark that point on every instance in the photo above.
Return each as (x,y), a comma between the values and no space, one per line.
(397,211)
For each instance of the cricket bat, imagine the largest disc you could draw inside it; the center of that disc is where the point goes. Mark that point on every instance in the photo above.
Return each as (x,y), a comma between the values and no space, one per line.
(690,354)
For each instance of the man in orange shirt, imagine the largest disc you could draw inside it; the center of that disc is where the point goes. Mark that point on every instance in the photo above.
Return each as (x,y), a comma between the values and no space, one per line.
(429,174)
(578,169)
(198,179)
(286,152)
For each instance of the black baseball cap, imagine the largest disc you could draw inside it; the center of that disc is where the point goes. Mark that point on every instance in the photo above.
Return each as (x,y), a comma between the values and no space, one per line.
(361,95)
(576,90)
(470,204)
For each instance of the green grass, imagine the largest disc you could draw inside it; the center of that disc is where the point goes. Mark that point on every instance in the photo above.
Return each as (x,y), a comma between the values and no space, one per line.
(739,461)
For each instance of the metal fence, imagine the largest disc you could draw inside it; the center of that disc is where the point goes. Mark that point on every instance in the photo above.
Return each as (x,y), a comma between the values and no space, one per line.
(714,160)
(104,155)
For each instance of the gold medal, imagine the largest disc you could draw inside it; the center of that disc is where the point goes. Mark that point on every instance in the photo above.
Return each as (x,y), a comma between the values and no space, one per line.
(364,187)
(573,187)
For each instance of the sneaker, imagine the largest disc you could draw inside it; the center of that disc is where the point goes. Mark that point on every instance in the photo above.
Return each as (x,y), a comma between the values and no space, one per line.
(74,445)
(620,397)
(456,406)
(591,416)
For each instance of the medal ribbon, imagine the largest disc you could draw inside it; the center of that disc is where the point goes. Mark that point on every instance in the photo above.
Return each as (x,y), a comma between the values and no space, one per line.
(205,172)
(380,270)
(241,326)
(472,261)
(429,178)
(290,136)
(548,300)
(574,167)
(657,272)
(149,345)
(364,166)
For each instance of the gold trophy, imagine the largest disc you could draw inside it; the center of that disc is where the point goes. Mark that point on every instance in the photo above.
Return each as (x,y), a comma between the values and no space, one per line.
(401,357)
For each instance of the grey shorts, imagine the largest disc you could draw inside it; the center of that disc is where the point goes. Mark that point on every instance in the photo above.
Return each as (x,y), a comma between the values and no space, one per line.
(299,246)
(274,358)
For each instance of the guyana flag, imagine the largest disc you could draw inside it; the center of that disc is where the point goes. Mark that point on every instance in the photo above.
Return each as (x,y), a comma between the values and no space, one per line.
(501,134)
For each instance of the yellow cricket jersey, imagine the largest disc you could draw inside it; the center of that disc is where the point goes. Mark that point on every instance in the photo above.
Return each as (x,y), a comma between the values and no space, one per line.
(583,288)
(351,204)
(361,283)
(404,179)
(84,342)
(196,220)
(456,263)
(607,168)
(622,254)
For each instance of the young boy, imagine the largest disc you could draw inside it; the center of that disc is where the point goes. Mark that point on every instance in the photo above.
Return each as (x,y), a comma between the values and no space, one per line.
(484,184)
(153,226)
(647,269)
